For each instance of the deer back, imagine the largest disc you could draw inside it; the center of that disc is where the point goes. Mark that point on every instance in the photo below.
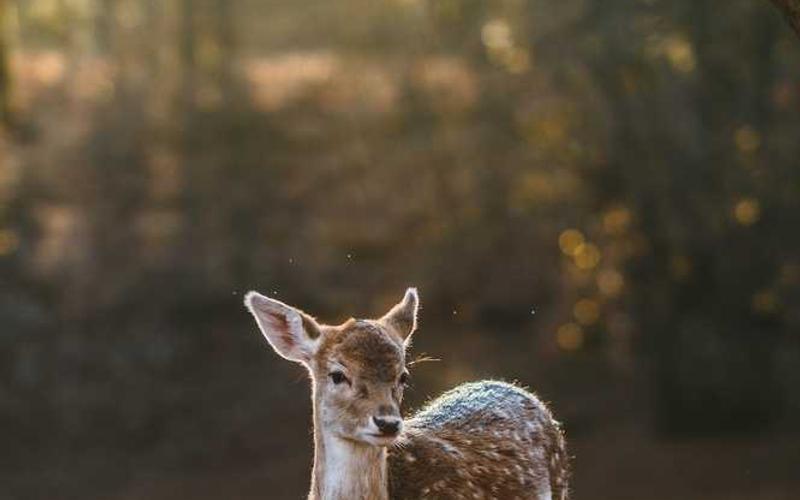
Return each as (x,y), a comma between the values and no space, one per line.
(483,440)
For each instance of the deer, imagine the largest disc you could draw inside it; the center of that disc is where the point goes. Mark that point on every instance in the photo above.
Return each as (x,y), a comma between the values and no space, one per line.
(480,440)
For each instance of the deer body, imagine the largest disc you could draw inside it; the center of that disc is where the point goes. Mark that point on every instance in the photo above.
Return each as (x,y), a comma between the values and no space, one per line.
(483,440)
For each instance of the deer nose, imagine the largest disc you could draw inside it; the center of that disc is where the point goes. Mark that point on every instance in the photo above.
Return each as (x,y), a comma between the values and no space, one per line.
(388,426)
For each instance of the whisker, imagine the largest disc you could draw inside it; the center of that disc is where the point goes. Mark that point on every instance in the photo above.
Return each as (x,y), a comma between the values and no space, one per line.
(422,358)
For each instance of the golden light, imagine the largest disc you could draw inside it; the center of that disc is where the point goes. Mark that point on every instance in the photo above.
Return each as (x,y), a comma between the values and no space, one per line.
(569,337)
(586,311)
(747,139)
(496,35)
(9,241)
(570,240)
(49,68)
(610,282)
(747,211)
(44,11)
(616,220)
(680,53)
(587,256)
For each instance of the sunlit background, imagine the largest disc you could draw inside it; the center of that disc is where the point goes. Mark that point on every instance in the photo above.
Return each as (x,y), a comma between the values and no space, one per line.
(598,199)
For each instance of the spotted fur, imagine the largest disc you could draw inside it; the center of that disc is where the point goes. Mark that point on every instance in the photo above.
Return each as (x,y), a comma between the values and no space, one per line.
(483,440)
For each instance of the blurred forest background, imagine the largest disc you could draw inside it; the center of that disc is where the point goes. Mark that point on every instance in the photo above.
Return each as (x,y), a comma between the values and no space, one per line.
(599,199)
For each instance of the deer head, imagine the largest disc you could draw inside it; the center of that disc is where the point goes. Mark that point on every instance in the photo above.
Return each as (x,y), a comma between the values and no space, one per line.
(358,368)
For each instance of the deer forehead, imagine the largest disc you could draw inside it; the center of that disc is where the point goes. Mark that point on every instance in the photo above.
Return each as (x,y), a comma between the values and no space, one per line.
(366,349)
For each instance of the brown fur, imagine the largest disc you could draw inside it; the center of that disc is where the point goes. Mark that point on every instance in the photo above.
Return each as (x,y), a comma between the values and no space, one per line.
(486,440)
(374,358)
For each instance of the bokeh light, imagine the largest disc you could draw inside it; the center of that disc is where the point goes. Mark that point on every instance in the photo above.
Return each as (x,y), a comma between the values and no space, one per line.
(616,220)
(586,256)
(570,240)
(610,282)
(747,211)
(570,337)
(496,35)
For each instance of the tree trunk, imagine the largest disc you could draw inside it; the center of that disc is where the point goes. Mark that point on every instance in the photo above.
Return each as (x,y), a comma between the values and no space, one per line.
(791,11)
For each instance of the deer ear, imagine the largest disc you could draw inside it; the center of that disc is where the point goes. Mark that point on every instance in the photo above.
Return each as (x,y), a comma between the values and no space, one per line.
(403,316)
(291,332)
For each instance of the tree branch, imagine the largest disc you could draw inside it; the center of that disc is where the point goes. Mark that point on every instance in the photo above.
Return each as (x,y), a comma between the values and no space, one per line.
(791,11)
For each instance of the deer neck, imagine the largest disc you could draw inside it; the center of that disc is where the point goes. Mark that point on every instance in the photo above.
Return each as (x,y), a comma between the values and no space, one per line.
(344,469)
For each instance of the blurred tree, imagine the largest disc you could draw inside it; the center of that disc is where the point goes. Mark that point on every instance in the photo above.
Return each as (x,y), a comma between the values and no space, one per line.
(5,72)
(791,10)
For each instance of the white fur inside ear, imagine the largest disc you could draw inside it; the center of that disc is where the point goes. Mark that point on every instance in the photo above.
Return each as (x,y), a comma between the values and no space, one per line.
(282,326)
(412,299)
(403,316)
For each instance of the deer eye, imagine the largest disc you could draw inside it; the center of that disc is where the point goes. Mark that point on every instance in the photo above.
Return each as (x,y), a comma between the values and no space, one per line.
(403,379)
(338,377)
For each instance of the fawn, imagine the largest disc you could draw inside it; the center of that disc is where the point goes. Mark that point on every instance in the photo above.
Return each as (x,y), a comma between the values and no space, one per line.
(483,440)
